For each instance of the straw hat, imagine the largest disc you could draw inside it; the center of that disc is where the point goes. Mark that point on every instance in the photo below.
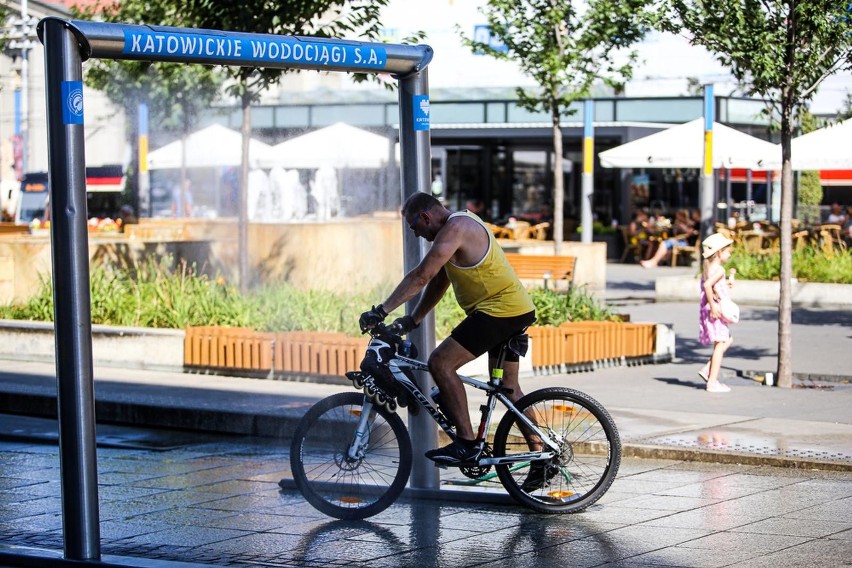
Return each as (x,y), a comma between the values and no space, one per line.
(714,243)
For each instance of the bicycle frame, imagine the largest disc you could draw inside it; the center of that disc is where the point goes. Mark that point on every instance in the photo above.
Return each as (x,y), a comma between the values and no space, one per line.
(397,367)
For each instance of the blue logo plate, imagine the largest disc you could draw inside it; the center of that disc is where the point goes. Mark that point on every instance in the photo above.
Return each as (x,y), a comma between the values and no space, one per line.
(72,102)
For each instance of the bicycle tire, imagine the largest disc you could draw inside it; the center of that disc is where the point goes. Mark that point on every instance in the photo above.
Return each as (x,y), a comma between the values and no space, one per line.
(336,485)
(590,450)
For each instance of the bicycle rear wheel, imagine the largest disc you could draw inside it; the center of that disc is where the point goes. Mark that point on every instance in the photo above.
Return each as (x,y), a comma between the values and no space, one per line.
(335,481)
(588,458)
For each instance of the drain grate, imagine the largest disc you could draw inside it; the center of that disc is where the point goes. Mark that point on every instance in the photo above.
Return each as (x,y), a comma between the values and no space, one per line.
(721,443)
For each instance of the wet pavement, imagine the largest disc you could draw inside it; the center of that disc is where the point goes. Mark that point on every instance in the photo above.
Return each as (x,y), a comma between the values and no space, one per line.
(217,501)
(701,496)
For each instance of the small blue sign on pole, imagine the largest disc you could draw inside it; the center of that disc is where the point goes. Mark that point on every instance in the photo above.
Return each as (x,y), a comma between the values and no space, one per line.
(483,34)
(72,97)
(421,112)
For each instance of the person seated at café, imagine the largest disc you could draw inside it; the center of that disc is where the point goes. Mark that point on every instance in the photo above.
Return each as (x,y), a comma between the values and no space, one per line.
(837,216)
(636,232)
(685,234)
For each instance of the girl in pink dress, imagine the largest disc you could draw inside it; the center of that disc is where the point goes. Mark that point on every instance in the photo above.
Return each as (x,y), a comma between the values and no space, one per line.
(713,328)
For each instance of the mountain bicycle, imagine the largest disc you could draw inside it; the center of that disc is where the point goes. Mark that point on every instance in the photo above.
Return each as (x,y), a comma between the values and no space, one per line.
(556,450)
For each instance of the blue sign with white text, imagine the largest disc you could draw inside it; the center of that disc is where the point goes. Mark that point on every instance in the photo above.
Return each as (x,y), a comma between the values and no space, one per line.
(421,112)
(72,102)
(242,49)
(483,34)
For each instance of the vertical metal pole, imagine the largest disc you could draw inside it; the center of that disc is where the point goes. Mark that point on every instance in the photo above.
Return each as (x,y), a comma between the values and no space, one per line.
(588,179)
(708,190)
(26,30)
(729,200)
(749,184)
(72,304)
(770,185)
(414,141)
(143,199)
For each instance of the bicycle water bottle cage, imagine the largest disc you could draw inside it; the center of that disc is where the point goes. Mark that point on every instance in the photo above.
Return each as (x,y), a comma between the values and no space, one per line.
(519,344)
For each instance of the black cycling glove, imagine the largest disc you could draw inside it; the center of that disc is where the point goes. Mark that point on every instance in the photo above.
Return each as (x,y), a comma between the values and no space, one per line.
(372,318)
(405,324)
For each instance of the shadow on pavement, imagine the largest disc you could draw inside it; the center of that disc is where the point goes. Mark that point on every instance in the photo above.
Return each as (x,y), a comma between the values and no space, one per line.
(697,384)
(692,351)
(630,285)
(805,316)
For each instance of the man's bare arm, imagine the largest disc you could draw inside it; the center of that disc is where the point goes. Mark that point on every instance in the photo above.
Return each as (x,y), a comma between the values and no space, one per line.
(432,294)
(445,246)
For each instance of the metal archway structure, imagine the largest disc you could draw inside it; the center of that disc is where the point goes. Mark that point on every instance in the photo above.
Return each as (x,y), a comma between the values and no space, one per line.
(67,44)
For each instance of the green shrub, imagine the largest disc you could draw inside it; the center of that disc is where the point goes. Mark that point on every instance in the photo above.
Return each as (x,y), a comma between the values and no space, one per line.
(809,265)
(151,295)
(156,295)
(553,308)
(282,307)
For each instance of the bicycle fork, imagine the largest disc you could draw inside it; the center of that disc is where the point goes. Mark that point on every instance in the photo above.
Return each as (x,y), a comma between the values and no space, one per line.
(361,439)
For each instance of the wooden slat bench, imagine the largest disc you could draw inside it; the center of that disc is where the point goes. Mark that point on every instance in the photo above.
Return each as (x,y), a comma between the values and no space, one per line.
(543,268)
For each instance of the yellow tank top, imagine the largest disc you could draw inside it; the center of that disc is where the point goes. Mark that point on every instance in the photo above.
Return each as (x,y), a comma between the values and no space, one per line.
(490,286)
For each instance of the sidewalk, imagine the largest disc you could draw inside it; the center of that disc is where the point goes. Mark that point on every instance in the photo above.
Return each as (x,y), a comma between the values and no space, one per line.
(661,410)
(169,496)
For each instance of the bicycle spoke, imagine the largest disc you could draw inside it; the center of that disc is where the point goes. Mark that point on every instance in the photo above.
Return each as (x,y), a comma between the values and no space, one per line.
(343,481)
(587,458)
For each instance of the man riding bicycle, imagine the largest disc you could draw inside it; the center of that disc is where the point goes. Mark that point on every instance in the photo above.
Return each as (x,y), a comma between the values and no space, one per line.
(465,254)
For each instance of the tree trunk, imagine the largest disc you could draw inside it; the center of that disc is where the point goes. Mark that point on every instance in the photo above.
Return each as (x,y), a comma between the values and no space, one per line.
(785,300)
(244,171)
(558,182)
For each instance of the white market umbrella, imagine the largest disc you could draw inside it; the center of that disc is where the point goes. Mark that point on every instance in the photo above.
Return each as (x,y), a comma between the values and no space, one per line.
(682,146)
(211,147)
(338,146)
(828,148)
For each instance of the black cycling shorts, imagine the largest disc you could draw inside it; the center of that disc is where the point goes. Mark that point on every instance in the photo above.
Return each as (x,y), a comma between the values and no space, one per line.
(480,332)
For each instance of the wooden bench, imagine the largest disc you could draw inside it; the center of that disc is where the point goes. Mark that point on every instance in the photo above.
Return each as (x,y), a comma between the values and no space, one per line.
(543,267)
(13,229)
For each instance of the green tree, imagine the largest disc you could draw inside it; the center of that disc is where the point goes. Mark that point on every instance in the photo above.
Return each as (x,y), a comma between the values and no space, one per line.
(4,14)
(780,50)
(175,92)
(846,112)
(565,47)
(319,18)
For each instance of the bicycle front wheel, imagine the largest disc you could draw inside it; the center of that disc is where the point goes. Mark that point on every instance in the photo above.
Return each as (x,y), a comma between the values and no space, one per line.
(587,461)
(344,475)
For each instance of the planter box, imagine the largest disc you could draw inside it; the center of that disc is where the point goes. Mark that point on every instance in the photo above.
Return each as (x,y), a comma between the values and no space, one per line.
(283,354)
(591,343)
(571,346)
(759,292)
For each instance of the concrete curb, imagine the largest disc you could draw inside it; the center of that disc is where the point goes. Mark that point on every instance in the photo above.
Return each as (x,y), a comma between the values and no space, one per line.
(759,293)
(124,347)
(644,451)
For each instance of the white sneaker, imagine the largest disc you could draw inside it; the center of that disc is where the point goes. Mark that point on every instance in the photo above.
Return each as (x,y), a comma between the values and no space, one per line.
(716,386)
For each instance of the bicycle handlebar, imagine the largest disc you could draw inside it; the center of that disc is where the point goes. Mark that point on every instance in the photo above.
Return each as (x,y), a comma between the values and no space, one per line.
(383,329)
